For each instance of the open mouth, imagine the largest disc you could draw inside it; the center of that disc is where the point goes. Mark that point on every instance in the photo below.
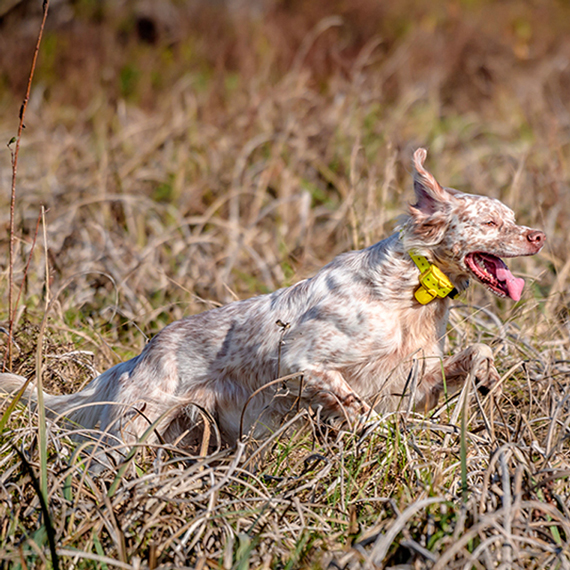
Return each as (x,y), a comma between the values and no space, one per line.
(494,273)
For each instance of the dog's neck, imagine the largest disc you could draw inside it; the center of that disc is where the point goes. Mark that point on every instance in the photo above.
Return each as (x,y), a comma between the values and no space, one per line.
(408,272)
(434,283)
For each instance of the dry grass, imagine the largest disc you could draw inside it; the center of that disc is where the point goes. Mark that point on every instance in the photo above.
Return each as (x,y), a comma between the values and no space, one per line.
(238,175)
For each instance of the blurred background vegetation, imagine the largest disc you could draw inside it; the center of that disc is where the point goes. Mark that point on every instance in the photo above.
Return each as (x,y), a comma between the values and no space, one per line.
(467,51)
(192,152)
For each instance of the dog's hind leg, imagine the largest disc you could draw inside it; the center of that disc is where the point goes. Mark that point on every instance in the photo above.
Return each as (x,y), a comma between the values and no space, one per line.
(329,390)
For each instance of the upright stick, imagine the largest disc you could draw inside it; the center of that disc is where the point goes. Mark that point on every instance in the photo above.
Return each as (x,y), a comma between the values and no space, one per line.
(11,308)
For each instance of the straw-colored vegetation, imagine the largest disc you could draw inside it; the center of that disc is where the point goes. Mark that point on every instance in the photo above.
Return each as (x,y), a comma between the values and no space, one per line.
(189,156)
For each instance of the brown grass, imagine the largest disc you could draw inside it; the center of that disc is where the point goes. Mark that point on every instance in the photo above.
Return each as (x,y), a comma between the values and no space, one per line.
(235,154)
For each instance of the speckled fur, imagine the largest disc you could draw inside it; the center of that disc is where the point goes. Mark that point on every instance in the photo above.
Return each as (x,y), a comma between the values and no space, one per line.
(349,337)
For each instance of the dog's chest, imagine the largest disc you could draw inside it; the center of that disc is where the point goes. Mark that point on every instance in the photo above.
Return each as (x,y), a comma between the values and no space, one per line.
(394,343)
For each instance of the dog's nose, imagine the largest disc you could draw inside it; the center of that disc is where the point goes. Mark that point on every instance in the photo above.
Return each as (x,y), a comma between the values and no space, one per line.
(536,237)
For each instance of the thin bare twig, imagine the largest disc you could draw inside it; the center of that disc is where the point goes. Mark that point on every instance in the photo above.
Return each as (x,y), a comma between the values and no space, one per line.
(11,308)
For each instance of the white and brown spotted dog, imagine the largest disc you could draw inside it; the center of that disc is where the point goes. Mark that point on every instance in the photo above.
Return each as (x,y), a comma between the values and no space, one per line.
(347,339)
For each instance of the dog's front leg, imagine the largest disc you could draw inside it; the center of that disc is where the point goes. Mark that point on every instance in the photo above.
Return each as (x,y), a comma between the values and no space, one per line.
(454,370)
(329,390)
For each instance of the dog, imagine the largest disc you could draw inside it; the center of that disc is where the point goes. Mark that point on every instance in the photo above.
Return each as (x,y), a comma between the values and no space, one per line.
(364,335)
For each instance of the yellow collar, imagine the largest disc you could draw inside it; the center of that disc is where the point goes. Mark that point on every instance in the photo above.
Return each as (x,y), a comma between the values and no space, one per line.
(433,281)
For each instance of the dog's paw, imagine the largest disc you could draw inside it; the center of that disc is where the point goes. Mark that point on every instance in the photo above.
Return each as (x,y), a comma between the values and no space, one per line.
(368,423)
(487,382)
(368,417)
(486,375)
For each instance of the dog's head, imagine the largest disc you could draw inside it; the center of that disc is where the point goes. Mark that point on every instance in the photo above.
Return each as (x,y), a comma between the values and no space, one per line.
(466,235)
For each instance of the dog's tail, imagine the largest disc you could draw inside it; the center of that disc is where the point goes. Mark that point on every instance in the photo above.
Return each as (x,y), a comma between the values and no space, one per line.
(82,408)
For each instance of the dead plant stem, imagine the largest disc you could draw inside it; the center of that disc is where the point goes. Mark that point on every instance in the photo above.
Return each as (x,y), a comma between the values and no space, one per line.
(11,308)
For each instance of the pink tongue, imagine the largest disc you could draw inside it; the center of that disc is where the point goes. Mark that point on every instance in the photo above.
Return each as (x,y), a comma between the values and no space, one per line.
(514,285)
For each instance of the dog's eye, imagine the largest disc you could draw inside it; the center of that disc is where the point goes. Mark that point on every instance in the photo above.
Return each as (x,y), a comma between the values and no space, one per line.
(490,223)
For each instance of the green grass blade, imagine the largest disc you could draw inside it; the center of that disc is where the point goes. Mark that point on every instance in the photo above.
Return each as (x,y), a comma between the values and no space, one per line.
(6,415)
(27,468)
(463,450)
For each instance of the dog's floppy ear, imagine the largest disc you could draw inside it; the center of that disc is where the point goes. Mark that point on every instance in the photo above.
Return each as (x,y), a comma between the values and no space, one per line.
(431,213)
(429,193)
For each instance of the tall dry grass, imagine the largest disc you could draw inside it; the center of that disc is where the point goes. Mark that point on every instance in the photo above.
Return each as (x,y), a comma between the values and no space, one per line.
(266,144)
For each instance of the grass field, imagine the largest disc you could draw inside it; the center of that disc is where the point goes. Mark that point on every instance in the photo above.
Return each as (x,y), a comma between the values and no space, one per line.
(192,155)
